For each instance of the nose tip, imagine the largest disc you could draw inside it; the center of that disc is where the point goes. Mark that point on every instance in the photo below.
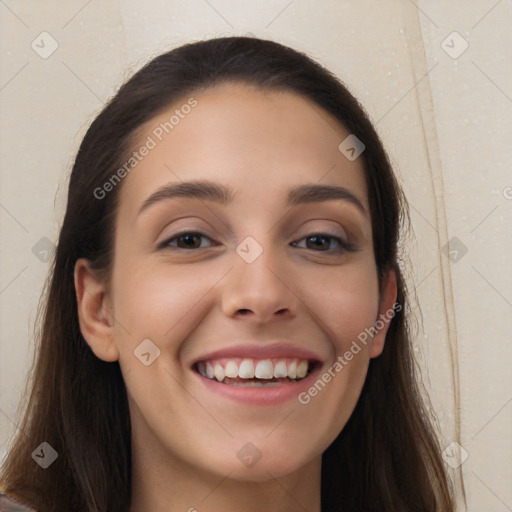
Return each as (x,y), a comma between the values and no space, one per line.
(255,291)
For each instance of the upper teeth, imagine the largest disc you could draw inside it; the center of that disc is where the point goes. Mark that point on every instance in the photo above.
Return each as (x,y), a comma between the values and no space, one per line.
(253,368)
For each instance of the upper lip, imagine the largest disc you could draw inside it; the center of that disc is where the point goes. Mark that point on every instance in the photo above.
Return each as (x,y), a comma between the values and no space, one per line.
(258,351)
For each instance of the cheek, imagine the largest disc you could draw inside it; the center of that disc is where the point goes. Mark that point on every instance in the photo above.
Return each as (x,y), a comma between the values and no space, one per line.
(345,301)
(159,300)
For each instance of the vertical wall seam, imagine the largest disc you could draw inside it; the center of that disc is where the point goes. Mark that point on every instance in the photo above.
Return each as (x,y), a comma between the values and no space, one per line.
(424,99)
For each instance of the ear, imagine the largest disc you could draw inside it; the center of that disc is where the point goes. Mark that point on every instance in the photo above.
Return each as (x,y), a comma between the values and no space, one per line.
(386,312)
(94,312)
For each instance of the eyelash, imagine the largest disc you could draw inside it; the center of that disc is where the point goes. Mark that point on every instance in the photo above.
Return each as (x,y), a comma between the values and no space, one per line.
(343,245)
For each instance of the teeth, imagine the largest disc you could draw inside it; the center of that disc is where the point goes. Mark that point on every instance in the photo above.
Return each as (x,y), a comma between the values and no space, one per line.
(201,368)
(280,370)
(292,370)
(264,369)
(218,372)
(246,370)
(255,384)
(302,369)
(232,369)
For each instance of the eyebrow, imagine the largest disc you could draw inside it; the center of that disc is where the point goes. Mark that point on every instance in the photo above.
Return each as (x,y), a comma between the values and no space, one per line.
(224,195)
(318,193)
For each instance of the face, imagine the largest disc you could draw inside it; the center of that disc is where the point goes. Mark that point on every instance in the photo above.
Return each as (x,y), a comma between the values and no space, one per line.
(239,289)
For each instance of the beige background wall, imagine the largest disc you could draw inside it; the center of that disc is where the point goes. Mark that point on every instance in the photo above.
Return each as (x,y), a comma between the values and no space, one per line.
(443,110)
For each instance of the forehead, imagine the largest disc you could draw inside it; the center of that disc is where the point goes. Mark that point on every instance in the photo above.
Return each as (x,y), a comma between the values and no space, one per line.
(258,142)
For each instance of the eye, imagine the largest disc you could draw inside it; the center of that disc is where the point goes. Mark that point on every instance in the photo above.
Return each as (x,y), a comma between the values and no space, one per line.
(187,240)
(321,242)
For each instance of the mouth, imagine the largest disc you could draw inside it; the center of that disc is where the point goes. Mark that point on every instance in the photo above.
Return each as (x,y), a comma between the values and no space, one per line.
(252,372)
(257,373)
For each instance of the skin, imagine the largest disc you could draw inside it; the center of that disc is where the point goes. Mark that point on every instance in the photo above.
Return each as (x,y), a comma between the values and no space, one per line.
(191,301)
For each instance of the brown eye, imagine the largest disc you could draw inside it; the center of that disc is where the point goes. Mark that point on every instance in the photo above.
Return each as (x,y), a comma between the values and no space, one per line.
(189,240)
(323,242)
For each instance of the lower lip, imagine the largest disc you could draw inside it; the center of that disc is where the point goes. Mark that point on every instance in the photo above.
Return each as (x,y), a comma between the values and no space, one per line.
(261,395)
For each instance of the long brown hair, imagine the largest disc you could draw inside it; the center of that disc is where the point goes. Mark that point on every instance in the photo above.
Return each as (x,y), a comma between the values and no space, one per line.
(387,458)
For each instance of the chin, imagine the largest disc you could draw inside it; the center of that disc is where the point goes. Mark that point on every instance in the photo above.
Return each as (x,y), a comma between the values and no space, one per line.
(262,468)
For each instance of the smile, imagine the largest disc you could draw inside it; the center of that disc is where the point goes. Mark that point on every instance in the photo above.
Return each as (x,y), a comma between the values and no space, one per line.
(255,372)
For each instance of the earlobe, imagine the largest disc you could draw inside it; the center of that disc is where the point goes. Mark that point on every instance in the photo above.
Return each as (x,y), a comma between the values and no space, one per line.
(386,312)
(94,312)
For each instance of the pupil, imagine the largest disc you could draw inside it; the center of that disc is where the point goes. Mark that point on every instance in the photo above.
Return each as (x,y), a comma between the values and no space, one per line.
(189,241)
(317,242)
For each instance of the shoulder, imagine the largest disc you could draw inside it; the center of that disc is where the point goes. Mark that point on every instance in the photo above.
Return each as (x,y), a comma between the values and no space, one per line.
(10,503)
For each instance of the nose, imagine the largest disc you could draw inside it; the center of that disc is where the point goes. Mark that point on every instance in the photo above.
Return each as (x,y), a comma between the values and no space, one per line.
(261,290)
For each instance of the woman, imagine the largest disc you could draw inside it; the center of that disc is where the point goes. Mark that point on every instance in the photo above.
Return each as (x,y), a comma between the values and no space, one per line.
(226,321)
